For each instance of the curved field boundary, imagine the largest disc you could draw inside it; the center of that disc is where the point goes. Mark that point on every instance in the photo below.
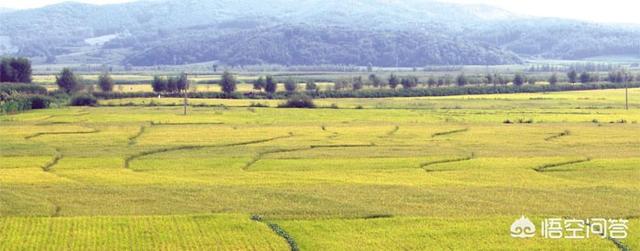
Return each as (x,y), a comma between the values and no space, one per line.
(377,216)
(438,134)
(133,139)
(28,137)
(56,158)
(261,155)
(546,167)
(342,146)
(293,245)
(79,114)
(620,245)
(427,164)
(391,133)
(559,135)
(46,123)
(153,123)
(131,158)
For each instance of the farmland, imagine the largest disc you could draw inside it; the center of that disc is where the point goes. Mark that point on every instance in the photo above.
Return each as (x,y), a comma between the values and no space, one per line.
(389,173)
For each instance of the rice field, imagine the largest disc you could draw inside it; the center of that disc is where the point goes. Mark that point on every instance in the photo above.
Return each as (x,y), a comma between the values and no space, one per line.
(438,173)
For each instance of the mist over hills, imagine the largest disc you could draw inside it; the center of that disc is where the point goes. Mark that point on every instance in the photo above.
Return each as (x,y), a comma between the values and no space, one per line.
(304,32)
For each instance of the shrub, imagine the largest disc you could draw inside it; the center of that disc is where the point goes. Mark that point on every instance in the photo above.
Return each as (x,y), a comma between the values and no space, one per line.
(20,102)
(11,106)
(84,99)
(22,88)
(39,102)
(298,101)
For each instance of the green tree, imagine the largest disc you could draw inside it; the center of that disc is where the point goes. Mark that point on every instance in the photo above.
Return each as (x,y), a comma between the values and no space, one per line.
(518,79)
(159,84)
(409,82)
(311,86)
(340,84)
(290,85)
(259,84)
(172,84)
(357,83)
(6,71)
(67,81)
(270,85)
(17,70)
(182,82)
(22,70)
(490,79)
(499,79)
(228,83)
(553,80)
(375,81)
(105,82)
(572,76)
(532,80)
(432,82)
(393,81)
(585,77)
(462,80)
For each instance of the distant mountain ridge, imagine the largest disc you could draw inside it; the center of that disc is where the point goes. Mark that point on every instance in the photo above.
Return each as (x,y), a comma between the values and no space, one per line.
(359,32)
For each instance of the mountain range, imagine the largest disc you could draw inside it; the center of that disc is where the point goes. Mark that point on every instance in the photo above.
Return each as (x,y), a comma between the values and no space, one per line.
(407,33)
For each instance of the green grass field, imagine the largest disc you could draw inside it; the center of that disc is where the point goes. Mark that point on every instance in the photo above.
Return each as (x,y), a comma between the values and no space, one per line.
(438,173)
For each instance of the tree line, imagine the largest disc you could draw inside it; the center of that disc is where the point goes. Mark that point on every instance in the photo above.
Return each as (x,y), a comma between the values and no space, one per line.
(269,85)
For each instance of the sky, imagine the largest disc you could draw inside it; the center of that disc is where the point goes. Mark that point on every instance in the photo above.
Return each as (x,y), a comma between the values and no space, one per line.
(610,11)
(25,4)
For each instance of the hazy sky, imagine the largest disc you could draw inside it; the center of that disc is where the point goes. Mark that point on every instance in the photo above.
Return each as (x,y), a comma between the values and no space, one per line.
(626,11)
(22,4)
(620,11)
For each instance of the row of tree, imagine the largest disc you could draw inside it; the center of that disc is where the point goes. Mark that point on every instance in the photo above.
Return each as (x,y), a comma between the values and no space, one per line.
(581,67)
(15,70)
(173,84)
(267,84)
(68,82)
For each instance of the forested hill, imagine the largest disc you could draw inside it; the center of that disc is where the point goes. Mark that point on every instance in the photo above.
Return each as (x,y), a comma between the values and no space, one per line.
(309,45)
(293,32)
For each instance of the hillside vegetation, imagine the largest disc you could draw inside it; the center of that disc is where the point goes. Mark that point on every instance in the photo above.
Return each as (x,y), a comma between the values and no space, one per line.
(288,32)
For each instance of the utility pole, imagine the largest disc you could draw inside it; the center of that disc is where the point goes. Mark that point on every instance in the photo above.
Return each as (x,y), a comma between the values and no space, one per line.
(186,88)
(626,91)
(185,102)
